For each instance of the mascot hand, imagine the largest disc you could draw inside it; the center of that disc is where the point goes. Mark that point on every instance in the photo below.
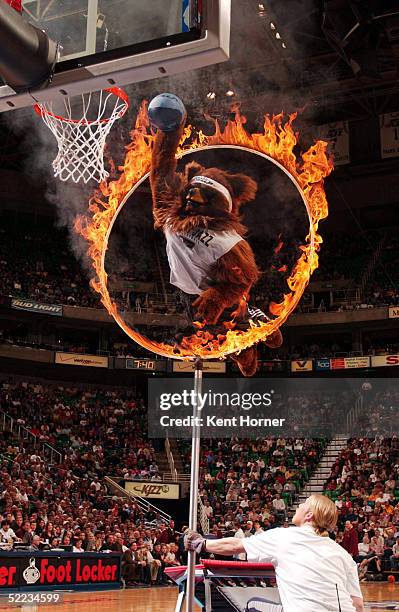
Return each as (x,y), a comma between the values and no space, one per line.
(194,541)
(167,112)
(209,306)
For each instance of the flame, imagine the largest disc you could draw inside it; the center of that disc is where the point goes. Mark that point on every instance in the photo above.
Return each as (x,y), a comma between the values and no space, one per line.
(277,142)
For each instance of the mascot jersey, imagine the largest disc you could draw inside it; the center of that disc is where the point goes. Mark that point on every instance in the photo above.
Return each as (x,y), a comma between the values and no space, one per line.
(192,254)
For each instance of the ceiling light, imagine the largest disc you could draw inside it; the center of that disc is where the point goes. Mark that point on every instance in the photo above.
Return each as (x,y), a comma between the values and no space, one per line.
(283,45)
(211,95)
(278,36)
(230,92)
(261,7)
(272,26)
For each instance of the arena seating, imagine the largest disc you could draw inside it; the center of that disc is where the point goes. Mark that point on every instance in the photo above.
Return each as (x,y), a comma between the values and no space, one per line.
(103,430)
(245,481)
(42,267)
(98,433)
(41,252)
(365,487)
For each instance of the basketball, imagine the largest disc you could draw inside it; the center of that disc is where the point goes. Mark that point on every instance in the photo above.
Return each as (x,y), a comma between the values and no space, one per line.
(391,578)
(166,112)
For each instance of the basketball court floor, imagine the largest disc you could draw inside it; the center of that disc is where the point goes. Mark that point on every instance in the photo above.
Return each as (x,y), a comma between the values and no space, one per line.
(379,597)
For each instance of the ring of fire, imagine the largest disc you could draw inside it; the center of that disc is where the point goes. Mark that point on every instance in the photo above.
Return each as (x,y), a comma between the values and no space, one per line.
(276,145)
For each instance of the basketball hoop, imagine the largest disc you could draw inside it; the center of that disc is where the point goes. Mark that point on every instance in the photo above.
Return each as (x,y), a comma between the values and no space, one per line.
(81,141)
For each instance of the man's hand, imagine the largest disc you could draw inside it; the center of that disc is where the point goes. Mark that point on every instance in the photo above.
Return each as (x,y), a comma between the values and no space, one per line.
(358,603)
(194,541)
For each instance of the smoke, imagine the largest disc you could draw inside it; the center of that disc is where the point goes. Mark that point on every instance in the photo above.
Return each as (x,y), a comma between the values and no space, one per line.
(262,75)
(130,250)
(38,149)
(71,200)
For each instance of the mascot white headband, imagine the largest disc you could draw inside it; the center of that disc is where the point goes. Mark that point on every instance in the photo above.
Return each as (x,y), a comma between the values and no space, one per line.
(208,182)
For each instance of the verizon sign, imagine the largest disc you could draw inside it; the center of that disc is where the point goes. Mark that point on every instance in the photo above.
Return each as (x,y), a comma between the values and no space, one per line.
(393,312)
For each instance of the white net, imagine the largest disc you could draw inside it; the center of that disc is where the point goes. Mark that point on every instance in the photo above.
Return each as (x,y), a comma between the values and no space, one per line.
(81,141)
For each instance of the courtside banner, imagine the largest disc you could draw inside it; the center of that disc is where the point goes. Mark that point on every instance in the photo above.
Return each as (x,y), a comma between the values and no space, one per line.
(32,570)
(393,312)
(212,367)
(76,359)
(382,361)
(30,306)
(302,365)
(153,490)
(357,362)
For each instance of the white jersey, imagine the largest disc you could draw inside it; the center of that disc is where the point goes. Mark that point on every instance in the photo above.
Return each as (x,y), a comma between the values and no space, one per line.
(192,254)
(312,572)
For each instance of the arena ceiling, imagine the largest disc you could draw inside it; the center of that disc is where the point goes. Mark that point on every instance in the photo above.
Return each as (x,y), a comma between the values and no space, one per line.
(288,55)
(284,56)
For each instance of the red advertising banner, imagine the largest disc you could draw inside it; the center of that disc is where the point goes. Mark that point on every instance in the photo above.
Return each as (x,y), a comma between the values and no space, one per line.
(338,363)
(58,569)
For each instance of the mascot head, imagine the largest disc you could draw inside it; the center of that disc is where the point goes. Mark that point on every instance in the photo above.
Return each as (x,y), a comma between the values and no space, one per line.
(212,193)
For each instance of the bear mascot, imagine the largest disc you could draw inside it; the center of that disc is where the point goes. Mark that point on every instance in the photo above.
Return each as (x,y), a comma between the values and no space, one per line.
(198,211)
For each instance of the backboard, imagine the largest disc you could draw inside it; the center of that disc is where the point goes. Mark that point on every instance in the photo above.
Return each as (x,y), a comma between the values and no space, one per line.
(117,42)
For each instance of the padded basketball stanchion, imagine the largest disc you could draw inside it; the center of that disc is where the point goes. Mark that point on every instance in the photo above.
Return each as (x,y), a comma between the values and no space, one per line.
(27,55)
(194,481)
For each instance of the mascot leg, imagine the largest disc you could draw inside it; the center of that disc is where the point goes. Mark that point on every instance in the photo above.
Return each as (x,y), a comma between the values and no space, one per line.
(275,339)
(247,361)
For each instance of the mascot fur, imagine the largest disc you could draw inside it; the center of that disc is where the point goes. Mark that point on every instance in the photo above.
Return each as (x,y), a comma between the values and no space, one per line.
(199,212)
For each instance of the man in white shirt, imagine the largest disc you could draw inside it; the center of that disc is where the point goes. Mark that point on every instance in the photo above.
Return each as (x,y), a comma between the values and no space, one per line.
(208,509)
(239,534)
(279,506)
(394,558)
(314,573)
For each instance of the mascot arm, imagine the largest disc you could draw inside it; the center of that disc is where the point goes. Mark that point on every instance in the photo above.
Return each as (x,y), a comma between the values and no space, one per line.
(164,180)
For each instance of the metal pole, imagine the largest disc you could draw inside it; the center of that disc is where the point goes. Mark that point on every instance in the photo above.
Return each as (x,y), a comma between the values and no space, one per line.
(195,457)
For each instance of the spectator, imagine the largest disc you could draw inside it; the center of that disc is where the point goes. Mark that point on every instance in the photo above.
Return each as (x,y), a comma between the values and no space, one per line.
(350,540)
(279,506)
(6,533)
(130,565)
(78,548)
(35,544)
(394,558)
(239,533)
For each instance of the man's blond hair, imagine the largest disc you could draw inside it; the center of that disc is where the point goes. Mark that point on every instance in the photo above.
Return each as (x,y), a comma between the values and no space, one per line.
(325,513)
